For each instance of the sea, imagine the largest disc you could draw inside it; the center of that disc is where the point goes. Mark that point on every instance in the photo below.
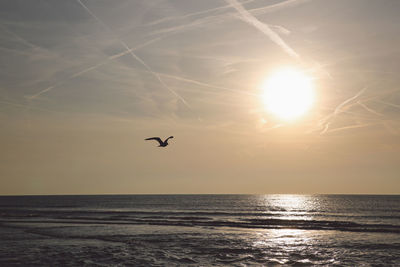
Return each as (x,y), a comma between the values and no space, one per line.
(200,230)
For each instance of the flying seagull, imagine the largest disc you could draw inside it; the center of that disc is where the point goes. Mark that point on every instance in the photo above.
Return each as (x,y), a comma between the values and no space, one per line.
(158,139)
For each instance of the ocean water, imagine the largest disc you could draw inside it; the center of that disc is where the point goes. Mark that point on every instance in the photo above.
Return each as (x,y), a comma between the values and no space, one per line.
(200,230)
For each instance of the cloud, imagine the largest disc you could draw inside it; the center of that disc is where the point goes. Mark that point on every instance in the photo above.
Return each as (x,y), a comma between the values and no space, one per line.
(130,51)
(264,28)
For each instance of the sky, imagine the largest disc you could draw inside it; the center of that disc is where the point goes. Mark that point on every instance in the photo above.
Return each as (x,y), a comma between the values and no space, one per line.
(83,83)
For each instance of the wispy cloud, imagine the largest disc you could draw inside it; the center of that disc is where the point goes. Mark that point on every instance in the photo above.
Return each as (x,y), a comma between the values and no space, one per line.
(204,66)
(339,108)
(130,51)
(349,127)
(91,68)
(202,12)
(224,17)
(264,28)
(277,6)
(328,120)
(369,109)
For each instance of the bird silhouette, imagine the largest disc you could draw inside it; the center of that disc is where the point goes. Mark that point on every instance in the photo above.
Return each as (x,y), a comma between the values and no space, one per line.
(158,139)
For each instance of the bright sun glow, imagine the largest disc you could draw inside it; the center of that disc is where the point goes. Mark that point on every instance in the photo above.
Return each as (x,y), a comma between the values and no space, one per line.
(288,94)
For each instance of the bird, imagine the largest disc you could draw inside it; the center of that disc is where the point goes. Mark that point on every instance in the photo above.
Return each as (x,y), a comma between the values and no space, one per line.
(158,139)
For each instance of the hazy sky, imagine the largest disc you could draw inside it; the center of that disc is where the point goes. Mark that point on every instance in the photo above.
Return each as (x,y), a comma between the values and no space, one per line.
(84,82)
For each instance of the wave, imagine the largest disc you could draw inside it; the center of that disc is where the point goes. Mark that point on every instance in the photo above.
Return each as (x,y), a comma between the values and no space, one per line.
(68,211)
(209,222)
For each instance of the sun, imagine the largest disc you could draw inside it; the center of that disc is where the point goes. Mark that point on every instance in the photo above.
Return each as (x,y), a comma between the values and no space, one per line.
(288,93)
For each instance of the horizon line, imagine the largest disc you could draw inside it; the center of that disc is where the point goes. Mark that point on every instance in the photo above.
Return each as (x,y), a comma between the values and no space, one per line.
(205,194)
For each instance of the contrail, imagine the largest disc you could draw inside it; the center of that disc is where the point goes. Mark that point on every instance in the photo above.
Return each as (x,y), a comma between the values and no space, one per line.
(223,17)
(325,128)
(155,74)
(325,122)
(47,89)
(368,108)
(351,127)
(366,99)
(388,103)
(268,8)
(183,27)
(204,84)
(276,7)
(104,62)
(19,38)
(116,56)
(339,107)
(134,55)
(191,81)
(163,20)
(264,28)
(280,29)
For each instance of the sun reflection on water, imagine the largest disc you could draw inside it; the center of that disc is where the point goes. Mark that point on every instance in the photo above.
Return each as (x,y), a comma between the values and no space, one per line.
(289,207)
(281,246)
(285,242)
(282,237)
(291,202)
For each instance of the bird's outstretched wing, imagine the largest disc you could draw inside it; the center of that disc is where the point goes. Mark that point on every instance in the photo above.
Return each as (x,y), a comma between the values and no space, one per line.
(155,138)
